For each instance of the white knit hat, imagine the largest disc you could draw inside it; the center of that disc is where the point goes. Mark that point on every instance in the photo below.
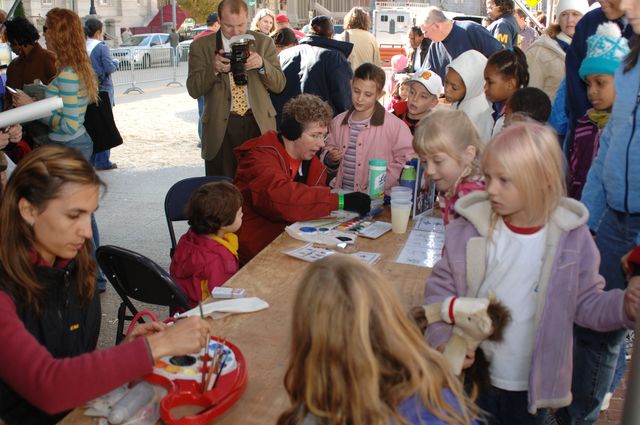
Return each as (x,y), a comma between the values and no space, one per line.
(581,6)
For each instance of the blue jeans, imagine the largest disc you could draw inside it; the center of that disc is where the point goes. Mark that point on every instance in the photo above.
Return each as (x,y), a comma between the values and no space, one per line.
(200,109)
(84,144)
(596,354)
(100,160)
(508,408)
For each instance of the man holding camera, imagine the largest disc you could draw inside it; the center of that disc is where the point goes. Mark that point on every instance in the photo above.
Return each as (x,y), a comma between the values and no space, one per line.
(234,70)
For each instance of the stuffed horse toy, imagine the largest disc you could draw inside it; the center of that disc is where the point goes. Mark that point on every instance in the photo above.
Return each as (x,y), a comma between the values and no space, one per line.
(474,320)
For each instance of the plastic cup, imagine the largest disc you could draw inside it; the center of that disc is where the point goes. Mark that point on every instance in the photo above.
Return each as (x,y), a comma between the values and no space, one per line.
(400,189)
(400,213)
(401,196)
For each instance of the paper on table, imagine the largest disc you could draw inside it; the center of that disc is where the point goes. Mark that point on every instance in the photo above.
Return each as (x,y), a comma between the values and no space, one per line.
(237,305)
(423,247)
(311,254)
(30,112)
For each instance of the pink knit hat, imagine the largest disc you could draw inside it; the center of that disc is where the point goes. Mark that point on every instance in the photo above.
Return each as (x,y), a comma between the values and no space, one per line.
(398,63)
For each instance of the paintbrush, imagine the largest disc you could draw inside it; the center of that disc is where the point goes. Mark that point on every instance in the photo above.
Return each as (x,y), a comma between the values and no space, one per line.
(222,364)
(205,359)
(219,351)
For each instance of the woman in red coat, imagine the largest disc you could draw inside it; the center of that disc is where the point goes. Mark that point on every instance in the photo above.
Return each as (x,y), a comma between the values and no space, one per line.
(283,181)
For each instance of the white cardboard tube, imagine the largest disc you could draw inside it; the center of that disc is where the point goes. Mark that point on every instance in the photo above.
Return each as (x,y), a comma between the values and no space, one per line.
(30,112)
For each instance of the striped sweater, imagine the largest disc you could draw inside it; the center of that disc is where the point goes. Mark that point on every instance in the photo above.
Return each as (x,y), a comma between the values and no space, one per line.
(67,123)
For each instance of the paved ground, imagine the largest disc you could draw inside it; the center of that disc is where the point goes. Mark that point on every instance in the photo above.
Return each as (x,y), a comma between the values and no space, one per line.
(160,149)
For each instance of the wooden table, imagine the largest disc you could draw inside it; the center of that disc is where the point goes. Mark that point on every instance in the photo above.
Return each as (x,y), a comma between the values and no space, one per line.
(264,337)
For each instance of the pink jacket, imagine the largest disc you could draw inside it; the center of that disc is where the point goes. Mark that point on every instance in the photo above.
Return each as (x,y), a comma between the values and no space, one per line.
(386,137)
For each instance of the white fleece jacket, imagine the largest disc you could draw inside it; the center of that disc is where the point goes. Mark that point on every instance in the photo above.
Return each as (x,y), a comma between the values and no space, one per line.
(470,65)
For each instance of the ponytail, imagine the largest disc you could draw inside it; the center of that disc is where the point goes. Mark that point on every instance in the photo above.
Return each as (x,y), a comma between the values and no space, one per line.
(632,58)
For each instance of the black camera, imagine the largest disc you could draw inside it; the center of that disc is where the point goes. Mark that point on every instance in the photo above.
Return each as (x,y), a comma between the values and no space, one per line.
(240,51)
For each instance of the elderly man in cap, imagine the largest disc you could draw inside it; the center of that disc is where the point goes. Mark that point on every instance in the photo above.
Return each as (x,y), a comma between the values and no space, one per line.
(282,21)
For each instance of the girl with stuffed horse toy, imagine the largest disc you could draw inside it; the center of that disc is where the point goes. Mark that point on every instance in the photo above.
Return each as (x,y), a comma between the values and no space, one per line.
(527,243)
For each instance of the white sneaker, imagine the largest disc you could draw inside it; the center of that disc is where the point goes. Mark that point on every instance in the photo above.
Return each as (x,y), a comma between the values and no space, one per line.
(605,401)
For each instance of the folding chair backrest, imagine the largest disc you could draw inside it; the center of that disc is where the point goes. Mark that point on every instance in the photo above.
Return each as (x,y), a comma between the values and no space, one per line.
(135,276)
(177,198)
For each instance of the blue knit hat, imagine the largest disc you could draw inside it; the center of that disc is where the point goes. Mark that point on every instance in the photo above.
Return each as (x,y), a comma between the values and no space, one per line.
(605,51)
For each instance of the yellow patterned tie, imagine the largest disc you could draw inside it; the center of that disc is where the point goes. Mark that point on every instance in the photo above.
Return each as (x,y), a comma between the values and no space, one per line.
(239,103)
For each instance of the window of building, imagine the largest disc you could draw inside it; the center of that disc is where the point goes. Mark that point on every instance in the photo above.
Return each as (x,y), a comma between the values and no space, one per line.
(399,19)
(384,18)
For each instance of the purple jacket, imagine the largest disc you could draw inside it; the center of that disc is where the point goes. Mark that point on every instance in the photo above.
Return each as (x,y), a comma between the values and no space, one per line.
(570,290)
(583,151)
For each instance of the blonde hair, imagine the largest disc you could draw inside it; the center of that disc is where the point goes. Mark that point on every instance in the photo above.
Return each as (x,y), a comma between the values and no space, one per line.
(67,40)
(356,355)
(531,156)
(261,14)
(357,18)
(448,131)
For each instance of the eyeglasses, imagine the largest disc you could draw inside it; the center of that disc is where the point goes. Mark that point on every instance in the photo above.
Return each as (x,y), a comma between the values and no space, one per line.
(318,137)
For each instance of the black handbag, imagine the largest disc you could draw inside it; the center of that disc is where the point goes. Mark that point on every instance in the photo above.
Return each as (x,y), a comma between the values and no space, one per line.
(100,124)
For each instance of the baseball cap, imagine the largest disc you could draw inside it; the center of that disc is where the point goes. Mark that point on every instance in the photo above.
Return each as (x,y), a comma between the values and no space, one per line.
(282,18)
(212,18)
(430,80)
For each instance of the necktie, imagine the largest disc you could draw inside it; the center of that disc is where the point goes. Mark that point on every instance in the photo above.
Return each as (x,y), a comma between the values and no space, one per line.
(239,103)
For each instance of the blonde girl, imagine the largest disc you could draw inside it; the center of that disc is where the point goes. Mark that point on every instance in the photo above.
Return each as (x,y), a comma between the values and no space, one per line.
(530,245)
(357,358)
(264,22)
(449,146)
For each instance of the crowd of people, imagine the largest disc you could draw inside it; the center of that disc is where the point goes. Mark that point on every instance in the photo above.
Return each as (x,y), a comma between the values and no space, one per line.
(531,143)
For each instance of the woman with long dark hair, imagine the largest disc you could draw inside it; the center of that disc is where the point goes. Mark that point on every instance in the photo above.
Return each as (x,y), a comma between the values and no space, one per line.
(49,303)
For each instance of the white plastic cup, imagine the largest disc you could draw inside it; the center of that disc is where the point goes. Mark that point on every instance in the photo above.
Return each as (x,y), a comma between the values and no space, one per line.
(400,213)
(400,189)
(401,196)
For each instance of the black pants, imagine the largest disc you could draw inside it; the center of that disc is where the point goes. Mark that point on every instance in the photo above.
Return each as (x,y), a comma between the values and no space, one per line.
(239,130)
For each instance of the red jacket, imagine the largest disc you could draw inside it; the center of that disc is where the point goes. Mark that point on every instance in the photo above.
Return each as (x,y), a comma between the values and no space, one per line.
(199,264)
(272,199)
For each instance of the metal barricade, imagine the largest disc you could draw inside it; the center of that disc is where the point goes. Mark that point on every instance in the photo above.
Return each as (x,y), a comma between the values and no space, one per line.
(144,65)
(181,69)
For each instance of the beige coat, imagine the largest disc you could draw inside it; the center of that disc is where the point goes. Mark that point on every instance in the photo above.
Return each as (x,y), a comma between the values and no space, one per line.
(545,58)
(365,47)
(216,89)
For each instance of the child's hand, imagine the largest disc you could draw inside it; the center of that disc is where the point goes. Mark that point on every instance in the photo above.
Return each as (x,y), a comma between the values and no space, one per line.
(469,359)
(15,133)
(632,298)
(335,155)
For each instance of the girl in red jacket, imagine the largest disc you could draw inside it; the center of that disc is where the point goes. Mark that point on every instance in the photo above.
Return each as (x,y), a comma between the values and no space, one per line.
(207,255)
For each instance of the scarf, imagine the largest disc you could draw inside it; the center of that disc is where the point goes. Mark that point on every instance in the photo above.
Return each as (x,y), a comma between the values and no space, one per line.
(229,241)
(599,118)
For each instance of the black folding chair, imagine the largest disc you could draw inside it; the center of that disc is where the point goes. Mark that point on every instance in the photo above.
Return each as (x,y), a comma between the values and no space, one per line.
(135,276)
(178,196)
